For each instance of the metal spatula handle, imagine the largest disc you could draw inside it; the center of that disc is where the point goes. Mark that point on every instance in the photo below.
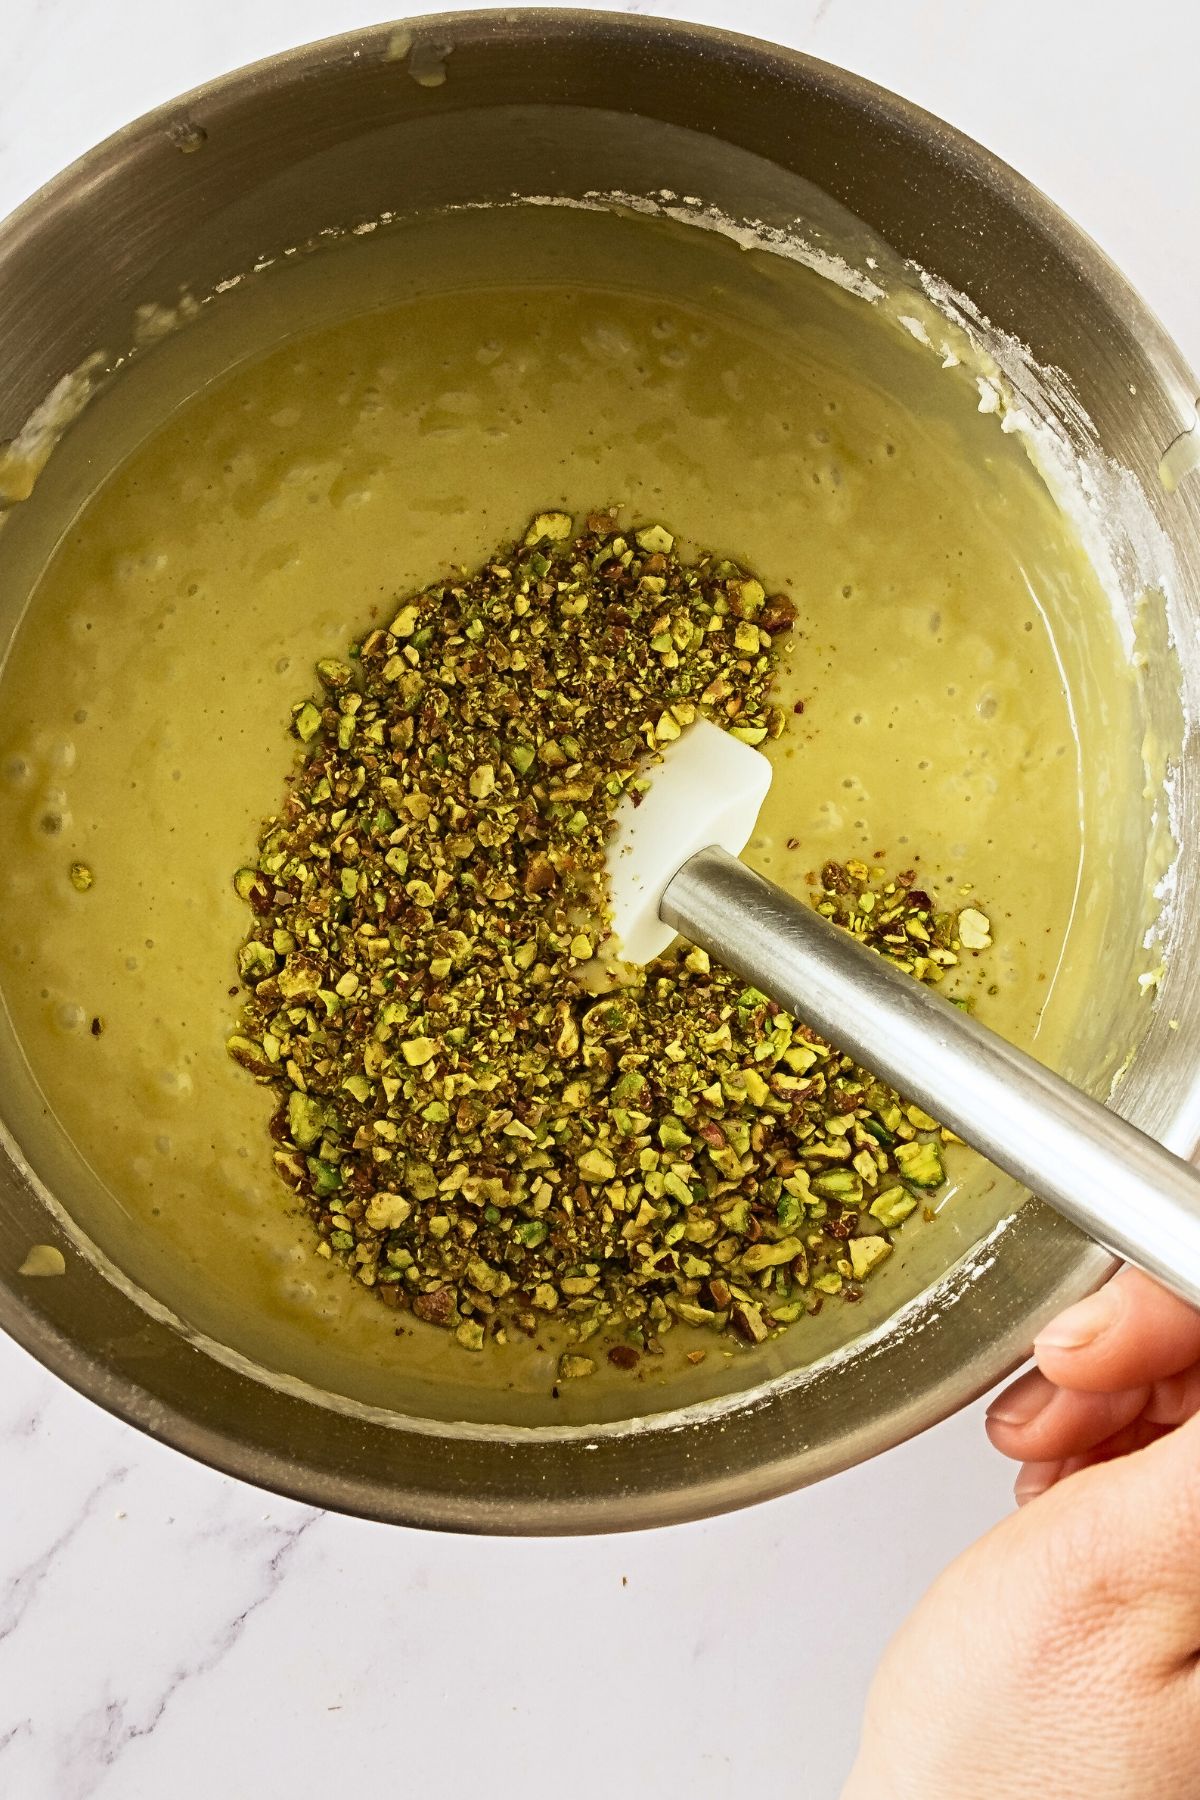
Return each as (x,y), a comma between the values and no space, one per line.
(1122,1188)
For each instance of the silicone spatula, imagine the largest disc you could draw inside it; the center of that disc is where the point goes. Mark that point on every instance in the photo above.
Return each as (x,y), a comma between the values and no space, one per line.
(674,871)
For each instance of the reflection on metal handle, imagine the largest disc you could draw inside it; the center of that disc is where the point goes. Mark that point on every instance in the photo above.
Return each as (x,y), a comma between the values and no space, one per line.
(1134,1197)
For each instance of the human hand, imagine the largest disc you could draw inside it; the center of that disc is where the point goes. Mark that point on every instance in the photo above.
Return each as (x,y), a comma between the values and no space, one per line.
(1060,1656)
(1114,1374)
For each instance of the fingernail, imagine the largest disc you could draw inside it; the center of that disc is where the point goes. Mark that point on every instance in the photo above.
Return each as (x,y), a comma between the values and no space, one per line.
(1033,1480)
(1021,1403)
(1080,1325)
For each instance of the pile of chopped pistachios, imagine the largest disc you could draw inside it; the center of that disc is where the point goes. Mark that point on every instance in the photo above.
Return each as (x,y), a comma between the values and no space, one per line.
(494,1124)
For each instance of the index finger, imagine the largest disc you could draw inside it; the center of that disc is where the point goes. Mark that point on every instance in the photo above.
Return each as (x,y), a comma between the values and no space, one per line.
(1128,1334)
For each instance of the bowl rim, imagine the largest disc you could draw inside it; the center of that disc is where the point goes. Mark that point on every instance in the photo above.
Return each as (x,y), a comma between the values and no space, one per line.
(1084,1264)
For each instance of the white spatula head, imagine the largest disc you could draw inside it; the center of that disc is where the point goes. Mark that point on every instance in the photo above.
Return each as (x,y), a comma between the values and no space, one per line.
(707,789)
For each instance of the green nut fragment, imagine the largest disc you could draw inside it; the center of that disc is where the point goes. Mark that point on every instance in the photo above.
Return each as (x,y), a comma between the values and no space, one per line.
(655,540)
(757,1091)
(487,1279)
(689,1313)
(305,1118)
(255,961)
(81,877)
(306,721)
(469,1334)
(550,527)
(974,929)
(42,1260)
(405,621)
(748,1322)
(893,1207)
(866,1253)
(789,1210)
(747,596)
(673,1134)
(418,1051)
(736,1218)
(334,674)
(677,1188)
(326,1179)
(387,1212)
(596,1165)
(770,1256)
(838,1184)
(921,1163)
(573,1368)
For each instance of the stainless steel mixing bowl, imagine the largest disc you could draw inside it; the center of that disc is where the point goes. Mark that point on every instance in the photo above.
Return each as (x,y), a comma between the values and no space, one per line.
(477,107)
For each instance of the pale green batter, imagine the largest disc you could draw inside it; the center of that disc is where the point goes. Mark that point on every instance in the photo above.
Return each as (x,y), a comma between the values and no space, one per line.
(965,702)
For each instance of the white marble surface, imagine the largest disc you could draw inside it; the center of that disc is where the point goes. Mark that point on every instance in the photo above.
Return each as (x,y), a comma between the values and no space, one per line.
(167,1632)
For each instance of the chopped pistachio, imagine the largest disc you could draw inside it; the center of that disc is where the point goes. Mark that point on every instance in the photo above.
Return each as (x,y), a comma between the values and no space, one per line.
(306,721)
(866,1253)
(405,621)
(596,1165)
(974,929)
(493,1125)
(386,1212)
(893,1207)
(748,1321)
(573,1368)
(550,527)
(305,1118)
(770,1256)
(43,1260)
(249,883)
(334,674)
(81,877)
(921,1163)
(838,1184)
